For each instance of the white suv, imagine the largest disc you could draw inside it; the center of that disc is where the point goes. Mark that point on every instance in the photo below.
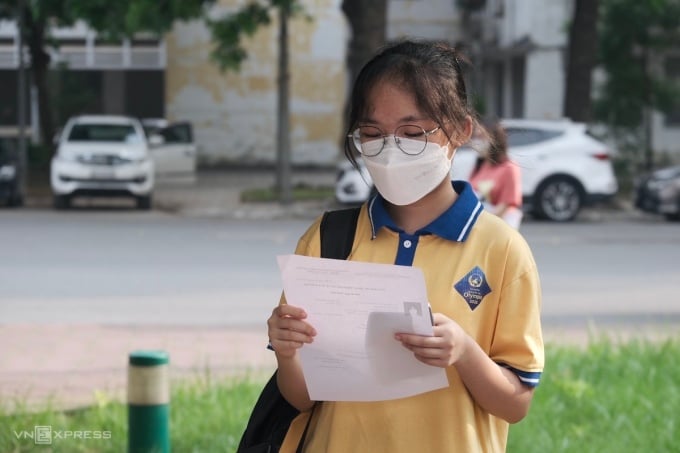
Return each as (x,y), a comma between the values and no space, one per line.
(102,155)
(563,168)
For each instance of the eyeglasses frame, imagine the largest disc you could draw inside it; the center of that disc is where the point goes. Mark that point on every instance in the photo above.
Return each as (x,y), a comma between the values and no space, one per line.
(396,139)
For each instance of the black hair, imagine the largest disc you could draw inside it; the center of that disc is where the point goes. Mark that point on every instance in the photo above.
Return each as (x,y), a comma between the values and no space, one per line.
(431,71)
(498,143)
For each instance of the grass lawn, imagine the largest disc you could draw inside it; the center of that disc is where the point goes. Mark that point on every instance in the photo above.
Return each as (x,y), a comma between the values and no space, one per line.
(603,397)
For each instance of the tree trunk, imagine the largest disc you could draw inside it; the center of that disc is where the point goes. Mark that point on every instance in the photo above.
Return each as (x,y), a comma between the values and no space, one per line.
(368,24)
(581,60)
(40,62)
(283,126)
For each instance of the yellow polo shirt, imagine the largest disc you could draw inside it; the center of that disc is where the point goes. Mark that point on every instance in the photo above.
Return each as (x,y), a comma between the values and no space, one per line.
(478,272)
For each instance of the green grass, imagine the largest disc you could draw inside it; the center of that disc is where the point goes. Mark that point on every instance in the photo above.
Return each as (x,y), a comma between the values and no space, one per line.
(605,397)
(300,192)
(608,398)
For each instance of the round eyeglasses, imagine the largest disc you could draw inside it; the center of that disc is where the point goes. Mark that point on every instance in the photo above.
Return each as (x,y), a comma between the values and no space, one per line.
(409,138)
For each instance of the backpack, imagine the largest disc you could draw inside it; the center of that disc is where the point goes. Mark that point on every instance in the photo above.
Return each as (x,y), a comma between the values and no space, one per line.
(272,414)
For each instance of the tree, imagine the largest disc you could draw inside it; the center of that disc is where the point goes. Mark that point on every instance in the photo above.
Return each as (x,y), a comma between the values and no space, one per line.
(114,19)
(229,53)
(581,60)
(634,37)
(368,22)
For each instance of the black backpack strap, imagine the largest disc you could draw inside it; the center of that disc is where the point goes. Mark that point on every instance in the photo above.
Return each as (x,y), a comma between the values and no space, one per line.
(272,414)
(337,232)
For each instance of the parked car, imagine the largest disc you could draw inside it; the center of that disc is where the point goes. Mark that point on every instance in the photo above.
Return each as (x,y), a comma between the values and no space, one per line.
(563,167)
(659,193)
(102,155)
(10,174)
(173,150)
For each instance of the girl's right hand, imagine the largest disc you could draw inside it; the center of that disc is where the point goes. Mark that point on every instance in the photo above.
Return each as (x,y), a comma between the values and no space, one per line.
(287,330)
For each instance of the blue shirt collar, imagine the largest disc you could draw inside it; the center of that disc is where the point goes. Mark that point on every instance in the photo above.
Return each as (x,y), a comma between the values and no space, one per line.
(454,224)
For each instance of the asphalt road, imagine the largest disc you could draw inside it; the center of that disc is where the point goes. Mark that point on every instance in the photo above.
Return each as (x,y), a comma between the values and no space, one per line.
(120,266)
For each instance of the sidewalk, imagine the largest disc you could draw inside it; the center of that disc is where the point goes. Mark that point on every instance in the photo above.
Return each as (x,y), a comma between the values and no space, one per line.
(214,193)
(72,366)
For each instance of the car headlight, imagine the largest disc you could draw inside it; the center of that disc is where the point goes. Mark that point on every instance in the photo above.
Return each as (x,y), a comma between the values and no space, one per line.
(8,172)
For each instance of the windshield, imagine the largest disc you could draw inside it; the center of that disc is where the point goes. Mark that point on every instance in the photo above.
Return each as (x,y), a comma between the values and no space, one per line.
(104,133)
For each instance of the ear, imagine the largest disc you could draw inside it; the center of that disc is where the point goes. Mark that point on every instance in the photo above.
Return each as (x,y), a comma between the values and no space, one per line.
(463,136)
(466,132)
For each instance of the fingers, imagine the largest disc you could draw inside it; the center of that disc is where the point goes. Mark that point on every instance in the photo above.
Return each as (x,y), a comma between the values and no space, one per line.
(441,349)
(423,347)
(287,329)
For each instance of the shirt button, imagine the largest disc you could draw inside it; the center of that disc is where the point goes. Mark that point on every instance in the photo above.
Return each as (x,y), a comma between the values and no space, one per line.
(407,244)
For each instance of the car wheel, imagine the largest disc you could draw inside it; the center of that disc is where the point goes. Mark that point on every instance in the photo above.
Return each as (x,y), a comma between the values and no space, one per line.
(673,217)
(143,202)
(61,201)
(558,199)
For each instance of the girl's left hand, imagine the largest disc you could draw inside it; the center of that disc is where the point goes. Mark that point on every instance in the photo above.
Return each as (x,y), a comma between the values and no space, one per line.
(443,349)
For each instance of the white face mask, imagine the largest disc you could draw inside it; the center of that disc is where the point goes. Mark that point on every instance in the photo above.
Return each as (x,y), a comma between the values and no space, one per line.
(402,179)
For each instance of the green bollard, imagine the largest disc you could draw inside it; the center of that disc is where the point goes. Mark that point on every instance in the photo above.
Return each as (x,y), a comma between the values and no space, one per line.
(148,402)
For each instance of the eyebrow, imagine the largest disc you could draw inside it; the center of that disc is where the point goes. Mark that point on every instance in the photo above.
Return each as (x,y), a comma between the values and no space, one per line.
(405,119)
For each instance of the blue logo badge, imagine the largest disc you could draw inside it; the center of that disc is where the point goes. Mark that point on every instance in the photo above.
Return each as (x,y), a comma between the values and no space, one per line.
(473,287)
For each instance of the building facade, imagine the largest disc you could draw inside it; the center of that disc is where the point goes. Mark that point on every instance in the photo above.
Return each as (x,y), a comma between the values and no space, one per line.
(517,50)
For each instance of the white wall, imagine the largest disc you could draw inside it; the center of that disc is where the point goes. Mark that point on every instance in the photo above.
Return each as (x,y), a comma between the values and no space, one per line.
(544,85)
(235,113)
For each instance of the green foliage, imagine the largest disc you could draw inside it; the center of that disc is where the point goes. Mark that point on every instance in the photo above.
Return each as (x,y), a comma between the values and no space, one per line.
(301,192)
(633,36)
(228,31)
(125,17)
(56,11)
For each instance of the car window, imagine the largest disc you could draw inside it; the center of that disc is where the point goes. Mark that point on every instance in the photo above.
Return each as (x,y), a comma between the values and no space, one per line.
(526,136)
(177,133)
(104,133)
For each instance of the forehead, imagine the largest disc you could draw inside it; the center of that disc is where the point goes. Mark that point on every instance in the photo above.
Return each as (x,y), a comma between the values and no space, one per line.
(390,104)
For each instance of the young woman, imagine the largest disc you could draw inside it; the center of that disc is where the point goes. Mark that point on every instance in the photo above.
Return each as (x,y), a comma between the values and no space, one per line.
(409,115)
(496,178)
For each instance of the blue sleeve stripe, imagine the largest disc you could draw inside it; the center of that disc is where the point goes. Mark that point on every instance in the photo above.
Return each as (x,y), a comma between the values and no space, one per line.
(530,378)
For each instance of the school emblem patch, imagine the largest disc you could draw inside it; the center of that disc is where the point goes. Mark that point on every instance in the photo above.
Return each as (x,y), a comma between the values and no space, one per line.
(473,287)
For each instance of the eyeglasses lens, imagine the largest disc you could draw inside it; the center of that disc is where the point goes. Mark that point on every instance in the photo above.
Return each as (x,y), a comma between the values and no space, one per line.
(369,140)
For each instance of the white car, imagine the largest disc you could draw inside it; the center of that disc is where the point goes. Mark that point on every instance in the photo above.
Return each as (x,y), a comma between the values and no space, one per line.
(102,155)
(173,150)
(563,168)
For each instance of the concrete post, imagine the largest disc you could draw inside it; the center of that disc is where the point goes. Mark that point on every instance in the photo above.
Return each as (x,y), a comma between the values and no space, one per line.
(148,402)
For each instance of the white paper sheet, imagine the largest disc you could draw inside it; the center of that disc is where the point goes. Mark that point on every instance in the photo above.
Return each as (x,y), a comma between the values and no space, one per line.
(356,308)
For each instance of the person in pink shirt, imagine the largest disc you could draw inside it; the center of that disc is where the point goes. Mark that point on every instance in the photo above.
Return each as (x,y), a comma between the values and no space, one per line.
(496,178)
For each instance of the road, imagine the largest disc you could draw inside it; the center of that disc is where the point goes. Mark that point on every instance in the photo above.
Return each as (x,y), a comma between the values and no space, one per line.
(120,266)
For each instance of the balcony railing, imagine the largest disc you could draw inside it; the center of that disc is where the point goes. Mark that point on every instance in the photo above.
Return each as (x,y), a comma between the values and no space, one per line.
(91,56)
